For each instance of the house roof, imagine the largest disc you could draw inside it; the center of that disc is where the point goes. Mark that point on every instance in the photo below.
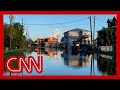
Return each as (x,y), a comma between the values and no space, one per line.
(111,20)
(76,30)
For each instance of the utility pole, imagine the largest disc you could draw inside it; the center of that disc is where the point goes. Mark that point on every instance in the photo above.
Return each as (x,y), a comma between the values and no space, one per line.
(22,35)
(93,48)
(27,37)
(94,34)
(91,31)
(22,23)
(22,40)
(11,17)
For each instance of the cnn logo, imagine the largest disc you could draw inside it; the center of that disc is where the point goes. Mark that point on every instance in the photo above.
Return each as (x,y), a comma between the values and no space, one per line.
(21,62)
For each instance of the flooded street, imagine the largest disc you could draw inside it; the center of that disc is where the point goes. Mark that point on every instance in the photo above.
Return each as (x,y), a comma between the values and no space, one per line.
(61,62)
(69,45)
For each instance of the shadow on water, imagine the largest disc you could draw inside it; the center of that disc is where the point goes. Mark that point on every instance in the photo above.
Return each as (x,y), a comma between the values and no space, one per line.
(96,63)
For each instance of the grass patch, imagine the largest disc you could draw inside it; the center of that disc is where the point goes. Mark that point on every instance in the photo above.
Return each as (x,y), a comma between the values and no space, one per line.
(14,53)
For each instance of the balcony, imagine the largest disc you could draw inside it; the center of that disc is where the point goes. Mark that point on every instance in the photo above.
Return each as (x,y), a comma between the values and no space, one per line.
(83,37)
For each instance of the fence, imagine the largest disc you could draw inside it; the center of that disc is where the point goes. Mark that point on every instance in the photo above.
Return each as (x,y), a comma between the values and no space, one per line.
(105,48)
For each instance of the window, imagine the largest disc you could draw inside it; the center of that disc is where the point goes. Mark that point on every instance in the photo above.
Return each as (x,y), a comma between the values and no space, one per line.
(88,42)
(84,42)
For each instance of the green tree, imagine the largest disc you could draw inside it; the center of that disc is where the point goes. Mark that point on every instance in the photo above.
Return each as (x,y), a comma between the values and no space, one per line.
(18,35)
(7,35)
(106,36)
(18,38)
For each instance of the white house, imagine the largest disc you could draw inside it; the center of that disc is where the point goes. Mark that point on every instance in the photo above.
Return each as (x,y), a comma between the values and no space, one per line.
(83,36)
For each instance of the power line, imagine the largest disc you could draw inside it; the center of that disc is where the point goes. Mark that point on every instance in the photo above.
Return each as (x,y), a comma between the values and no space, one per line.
(60,23)
(65,27)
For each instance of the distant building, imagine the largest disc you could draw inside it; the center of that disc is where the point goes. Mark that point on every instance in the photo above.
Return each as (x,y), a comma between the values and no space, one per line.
(80,36)
(47,42)
(51,42)
(52,39)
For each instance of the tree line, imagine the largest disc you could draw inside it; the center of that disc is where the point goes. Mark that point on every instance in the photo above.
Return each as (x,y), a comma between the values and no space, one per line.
(18,38)
(106,37)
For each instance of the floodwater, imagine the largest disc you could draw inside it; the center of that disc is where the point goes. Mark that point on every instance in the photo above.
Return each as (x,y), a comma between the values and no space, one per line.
(61,62)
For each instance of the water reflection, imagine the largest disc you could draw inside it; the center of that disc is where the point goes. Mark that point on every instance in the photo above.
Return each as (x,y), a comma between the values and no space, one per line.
(76,59)
(45,51)
(106,64)
(71,63)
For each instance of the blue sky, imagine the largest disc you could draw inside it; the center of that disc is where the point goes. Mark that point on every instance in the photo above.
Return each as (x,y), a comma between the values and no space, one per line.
(48,25)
